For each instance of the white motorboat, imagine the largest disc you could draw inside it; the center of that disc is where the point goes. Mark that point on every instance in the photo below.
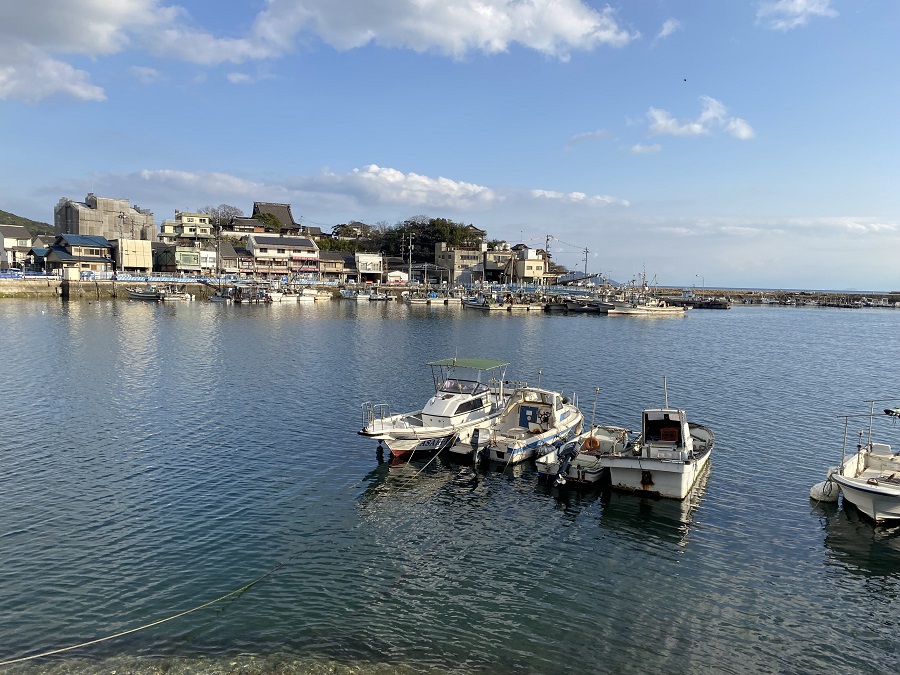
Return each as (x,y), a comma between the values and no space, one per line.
(666,459)
(868,478)
(580,459)
(468,392)
(533,418)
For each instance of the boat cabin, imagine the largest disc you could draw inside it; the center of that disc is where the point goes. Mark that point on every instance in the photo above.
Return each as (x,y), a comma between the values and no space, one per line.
(533,410)
(666,434)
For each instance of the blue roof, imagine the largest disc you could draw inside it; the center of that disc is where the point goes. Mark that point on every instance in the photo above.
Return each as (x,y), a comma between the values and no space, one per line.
(85,240)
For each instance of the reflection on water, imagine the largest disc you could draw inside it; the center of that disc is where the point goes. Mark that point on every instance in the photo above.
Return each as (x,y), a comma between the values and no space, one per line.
(855,544)
(157,457)
(647,517)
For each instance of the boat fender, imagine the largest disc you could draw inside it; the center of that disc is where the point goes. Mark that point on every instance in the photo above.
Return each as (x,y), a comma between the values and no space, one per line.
(646,479)
(592,443)
(826,491)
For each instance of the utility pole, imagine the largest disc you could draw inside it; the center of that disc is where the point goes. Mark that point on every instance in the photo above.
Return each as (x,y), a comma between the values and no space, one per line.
(585,261)
(409,275)
(121,240)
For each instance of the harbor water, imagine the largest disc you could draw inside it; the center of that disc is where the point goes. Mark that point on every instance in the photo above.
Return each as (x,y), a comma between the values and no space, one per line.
(158,457)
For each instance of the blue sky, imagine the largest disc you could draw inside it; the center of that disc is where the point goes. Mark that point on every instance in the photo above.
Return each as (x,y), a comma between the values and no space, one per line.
(724,143)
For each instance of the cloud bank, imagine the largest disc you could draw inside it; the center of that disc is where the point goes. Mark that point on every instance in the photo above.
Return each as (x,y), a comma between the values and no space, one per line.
(35,37)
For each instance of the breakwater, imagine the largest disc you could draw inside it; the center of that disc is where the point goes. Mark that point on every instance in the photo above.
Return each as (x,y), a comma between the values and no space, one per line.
(44,287)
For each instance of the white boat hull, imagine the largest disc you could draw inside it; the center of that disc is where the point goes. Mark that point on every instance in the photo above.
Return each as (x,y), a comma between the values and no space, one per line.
(871,482)
(665,478)
(661,468)
(519,445)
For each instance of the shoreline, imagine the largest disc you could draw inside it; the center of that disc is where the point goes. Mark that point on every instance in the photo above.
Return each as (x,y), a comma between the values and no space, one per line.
(48,287)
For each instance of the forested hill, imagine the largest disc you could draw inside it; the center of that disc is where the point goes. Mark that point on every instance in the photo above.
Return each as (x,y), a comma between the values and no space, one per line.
(33,226)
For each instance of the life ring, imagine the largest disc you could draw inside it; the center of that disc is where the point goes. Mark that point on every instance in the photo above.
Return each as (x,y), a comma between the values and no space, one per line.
(592,443)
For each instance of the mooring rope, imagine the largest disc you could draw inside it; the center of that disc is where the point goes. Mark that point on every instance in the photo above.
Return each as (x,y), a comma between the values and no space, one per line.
(238,591)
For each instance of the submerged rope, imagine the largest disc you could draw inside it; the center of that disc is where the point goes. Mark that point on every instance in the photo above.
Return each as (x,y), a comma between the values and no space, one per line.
(145,626)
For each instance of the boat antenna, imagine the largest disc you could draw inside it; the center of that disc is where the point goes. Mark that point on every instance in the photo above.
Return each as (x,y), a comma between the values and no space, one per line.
(596,396)
(665,392)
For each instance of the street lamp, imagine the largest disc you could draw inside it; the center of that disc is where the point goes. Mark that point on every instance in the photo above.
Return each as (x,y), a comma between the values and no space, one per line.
(702,281)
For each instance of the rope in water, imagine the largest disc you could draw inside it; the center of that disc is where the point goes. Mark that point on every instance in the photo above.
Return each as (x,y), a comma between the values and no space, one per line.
(238,591)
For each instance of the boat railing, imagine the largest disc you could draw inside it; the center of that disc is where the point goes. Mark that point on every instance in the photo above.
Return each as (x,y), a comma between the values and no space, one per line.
(373,413)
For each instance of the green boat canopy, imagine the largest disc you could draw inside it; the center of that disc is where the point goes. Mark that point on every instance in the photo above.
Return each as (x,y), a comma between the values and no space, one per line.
(477,364)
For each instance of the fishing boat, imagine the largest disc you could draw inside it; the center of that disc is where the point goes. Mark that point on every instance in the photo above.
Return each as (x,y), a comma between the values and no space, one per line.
(533,418)
(221,295)
(166,293)
(145,293)
(647,307)
(580,460)
(667,458)
(468,392)
(869,478)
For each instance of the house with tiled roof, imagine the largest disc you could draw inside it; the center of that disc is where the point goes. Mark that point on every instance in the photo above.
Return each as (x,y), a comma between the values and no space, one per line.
(337,266)
(275,256)
(280,211)
(77,255)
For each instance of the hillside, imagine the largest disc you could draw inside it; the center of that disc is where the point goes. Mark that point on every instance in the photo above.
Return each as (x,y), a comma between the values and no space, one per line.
(33,226)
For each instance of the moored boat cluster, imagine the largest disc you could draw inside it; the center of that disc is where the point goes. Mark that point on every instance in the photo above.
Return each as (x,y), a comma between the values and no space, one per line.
(477,416)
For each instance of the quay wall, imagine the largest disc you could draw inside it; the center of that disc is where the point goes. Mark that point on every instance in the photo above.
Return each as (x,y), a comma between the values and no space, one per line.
(44,287)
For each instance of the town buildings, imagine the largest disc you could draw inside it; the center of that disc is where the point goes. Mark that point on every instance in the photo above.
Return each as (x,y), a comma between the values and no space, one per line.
(271,243)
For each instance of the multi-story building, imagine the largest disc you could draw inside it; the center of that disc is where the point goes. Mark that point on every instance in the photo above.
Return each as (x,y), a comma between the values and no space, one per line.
(16,242)
(103,217)
(188,229)
(496,263)
(275,256)
(459,259)
(337,266)
(528,265)
(369,266)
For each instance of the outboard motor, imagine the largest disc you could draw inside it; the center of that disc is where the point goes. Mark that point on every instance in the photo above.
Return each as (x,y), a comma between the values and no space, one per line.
(481,438)
(567,453)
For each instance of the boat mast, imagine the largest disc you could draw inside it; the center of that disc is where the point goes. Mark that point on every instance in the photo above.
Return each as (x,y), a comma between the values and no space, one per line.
(665,391)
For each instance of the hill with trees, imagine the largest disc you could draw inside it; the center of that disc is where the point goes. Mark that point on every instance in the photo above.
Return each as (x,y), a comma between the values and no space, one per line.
(34,227)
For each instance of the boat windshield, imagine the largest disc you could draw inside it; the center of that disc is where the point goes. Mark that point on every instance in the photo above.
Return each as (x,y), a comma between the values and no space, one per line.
(454,386)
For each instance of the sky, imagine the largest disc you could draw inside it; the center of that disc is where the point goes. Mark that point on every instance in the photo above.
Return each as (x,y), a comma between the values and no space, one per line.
(710,143)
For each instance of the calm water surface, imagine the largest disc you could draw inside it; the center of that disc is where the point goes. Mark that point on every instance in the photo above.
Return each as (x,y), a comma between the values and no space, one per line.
(157,457)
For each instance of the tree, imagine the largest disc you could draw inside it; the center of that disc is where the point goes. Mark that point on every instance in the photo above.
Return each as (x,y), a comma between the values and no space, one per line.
(222,214)
(270,221)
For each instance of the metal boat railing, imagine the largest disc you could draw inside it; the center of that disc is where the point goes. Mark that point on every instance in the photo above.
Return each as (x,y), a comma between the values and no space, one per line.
(373,413)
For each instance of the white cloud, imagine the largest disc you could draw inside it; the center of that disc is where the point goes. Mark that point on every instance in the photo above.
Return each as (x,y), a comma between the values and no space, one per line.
(713,116)
(669,26)
(45,31)
(391,186)
(553,27)
(641,149)
(788,14)
(27,74)
(586,137)
(577,198)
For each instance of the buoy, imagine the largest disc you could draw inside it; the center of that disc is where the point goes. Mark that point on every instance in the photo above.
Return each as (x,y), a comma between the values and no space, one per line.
(826,491)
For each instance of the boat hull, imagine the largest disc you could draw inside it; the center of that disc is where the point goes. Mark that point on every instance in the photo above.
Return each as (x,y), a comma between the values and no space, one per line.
(663,474)
(868,482)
